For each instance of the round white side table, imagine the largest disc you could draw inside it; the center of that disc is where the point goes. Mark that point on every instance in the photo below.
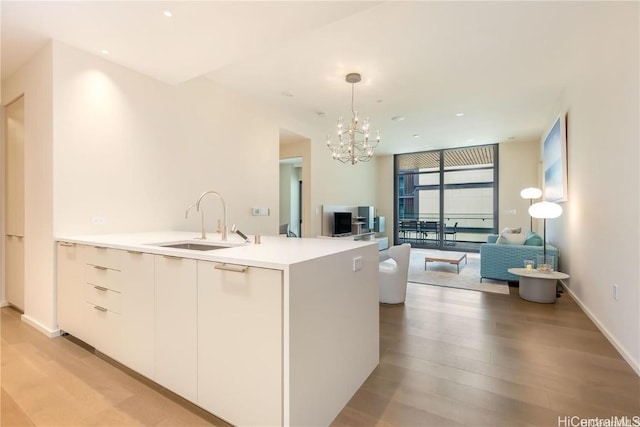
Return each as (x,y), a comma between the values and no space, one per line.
(537,286)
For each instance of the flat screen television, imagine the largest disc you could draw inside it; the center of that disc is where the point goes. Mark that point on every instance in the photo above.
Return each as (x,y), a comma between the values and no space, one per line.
(341,223)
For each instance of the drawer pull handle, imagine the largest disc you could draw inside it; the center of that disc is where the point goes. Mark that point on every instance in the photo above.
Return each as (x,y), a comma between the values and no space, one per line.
(15,235)
(231,267)
(67,245)
(135,252)
(99,247)
(100,288)
(171,257)
(102,309)
(99,267)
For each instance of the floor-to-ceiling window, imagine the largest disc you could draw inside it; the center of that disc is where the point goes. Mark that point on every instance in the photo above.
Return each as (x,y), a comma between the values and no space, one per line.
(447,199)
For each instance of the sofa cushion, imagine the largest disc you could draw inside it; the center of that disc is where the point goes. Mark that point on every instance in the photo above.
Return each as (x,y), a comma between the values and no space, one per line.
(511,239)
(533,239)
(512,230)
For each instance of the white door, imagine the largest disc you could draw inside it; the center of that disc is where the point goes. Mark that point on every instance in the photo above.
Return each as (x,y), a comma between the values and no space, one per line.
(14,203)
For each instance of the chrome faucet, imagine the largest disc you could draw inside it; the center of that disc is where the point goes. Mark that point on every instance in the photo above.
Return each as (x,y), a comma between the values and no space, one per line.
(223,228)
(186,216)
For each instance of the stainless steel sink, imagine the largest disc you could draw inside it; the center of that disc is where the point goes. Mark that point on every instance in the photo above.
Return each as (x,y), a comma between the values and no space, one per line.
(191,246)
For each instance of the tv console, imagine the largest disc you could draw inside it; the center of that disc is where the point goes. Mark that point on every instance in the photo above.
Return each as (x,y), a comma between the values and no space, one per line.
(362,221)
(383,242)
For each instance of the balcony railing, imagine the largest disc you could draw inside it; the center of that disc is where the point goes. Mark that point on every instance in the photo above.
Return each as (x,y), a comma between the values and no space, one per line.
(424,229)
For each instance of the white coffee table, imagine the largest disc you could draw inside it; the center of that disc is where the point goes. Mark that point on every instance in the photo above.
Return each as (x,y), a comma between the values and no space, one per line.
(537,286)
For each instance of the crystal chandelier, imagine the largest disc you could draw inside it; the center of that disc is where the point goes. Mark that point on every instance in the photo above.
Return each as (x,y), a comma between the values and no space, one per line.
(353,143)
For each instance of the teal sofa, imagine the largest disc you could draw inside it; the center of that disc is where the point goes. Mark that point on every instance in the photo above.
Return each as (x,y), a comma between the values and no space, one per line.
(496,258)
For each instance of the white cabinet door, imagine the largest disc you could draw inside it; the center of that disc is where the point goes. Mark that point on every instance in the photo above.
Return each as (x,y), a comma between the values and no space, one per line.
(240,343)
(14,270)
(138,336)
(14,168)
(70,289)
(176,359)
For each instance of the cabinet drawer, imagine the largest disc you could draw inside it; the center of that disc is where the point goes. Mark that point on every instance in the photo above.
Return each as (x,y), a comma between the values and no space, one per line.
(103,297)
(104,257)
(105,328)
(105,277)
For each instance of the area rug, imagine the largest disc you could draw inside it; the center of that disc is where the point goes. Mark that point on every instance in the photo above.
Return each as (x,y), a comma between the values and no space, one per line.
(444,274)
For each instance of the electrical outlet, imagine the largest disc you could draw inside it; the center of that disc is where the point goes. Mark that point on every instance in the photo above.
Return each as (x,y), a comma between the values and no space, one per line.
(255,211)
(615,292)
(264,211)
(98,220)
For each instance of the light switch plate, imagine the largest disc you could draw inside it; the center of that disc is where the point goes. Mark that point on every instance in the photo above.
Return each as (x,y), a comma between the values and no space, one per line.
(357,263)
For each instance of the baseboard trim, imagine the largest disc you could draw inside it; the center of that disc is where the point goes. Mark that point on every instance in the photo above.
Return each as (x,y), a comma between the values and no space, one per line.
(51,333)
(635,365)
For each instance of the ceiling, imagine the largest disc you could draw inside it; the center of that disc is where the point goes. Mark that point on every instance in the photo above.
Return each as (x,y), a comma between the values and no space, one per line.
(503,65)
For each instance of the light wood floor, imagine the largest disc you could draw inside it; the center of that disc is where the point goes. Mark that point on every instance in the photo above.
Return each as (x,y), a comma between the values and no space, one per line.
(449,357)
(56,382)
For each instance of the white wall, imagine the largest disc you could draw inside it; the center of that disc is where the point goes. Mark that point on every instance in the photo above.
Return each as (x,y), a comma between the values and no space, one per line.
(341,184)
(113,146)
(285,193)
(34,81)
(138,152)
(230,145)
(519,165)
(598,234)
(384,200)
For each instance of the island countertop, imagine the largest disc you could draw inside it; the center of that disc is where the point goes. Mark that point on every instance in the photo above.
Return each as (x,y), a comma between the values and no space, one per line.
(163,313)
(275,252)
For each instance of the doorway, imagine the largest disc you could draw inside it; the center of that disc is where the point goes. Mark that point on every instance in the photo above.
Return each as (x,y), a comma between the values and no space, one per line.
(291,196)
(14,203)
(295,184)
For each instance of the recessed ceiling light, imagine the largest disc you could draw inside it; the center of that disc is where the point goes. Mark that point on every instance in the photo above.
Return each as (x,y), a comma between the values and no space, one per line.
(104,52)
(379,101)
(397,118)
(469,140)
(512,137)
(167,13)
(416,135)
(459,114)
(321,114)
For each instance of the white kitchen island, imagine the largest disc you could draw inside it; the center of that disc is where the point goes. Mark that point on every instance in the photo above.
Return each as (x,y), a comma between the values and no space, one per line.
(278,333)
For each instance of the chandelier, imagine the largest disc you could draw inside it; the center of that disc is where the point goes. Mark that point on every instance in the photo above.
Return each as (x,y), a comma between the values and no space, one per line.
(353,144)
